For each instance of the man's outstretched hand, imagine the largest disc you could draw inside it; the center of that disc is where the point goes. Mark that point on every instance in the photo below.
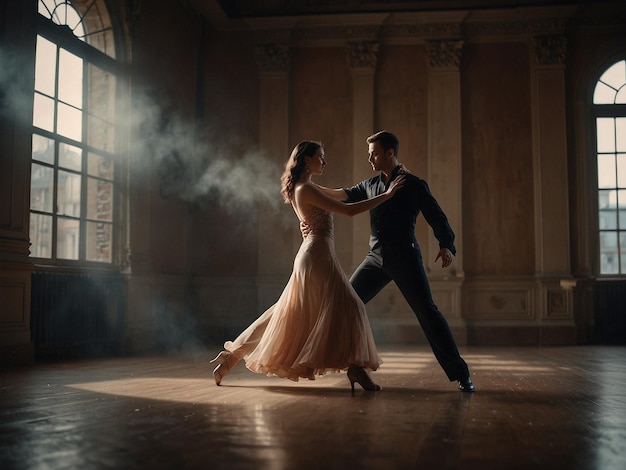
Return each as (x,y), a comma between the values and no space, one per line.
(305,229)
(446,257)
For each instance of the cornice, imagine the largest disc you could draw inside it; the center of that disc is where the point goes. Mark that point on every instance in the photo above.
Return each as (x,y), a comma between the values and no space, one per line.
(334,35)
(412,28)
(516,23)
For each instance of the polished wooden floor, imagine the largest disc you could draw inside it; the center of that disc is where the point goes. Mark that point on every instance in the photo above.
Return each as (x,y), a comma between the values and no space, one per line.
(534,408)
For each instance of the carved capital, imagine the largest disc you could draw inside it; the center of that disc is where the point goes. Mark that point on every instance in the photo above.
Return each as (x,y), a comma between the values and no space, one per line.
(445,53)
(550,50)
(272,57)
(363,54)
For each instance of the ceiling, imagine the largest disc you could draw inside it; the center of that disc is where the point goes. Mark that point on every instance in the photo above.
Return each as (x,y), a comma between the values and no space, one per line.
(240,9)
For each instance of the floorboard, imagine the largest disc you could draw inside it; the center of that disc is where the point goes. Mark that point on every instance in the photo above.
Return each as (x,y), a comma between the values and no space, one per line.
(543,408)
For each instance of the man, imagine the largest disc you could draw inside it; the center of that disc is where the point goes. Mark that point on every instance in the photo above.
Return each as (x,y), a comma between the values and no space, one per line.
(394,253)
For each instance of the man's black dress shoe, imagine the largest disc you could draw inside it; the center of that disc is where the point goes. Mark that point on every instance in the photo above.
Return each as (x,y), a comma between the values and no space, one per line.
(466,385)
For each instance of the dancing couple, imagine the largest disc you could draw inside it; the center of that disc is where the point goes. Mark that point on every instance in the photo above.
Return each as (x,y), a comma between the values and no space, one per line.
(319,323)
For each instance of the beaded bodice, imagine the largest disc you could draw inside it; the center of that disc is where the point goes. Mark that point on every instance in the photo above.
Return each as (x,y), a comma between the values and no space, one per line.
(320,222)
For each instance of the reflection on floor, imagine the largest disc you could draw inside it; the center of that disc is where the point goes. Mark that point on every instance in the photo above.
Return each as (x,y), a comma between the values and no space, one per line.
(544,408)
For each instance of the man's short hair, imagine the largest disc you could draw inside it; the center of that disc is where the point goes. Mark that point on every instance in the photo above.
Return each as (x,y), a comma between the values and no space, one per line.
(387,140)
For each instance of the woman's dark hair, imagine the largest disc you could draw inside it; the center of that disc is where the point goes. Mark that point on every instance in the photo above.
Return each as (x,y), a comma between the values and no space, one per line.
(295,166)
(387,141)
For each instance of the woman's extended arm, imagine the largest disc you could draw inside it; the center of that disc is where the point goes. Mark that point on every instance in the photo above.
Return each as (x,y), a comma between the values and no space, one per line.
(335,193)
(313,195)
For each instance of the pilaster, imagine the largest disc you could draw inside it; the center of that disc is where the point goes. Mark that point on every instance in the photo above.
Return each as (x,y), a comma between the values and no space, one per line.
(445,166)
(272,58)
(550,176)
(362,57)
(17,31)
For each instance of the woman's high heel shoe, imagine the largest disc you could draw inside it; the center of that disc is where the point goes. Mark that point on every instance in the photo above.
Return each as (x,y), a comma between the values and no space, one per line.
(360,376)
(225,362)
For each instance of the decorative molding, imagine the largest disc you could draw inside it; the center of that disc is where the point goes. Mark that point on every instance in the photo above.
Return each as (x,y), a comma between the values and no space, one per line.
(334,35)
(447,295)
(550,49)
(509,301)
(558,304)
(509,304)
(421,30)
(14,250)
(407,27)
(444,53)
(272,36)
(363,54)
(272,57)
(529,26)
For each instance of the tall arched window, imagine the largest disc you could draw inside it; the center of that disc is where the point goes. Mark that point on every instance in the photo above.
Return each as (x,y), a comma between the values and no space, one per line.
(609,109)
(74,164)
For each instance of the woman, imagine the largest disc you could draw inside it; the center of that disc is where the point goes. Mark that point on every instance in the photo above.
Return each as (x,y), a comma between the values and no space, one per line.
(318,324)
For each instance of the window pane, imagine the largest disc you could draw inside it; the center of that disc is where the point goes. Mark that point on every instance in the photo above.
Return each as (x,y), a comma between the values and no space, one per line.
(100,134)
(621,170)
(70,122)
(606,135)
(46,7)
(621,198)
(99,200)
(603,94)
(606,171)
(607,199)
(67,238)
(45,66)
(70,78)
(101,93)
(63,13)
(608,264)
(608,253)
(622,225)
(41,188)
(100,166)
(68,197)
(70,157)
(608,241)
(615,76)
(43,112)
(99,241)
(72,19)
(43,149)
(40,235)
(620,133)
(608,220)
(621,96)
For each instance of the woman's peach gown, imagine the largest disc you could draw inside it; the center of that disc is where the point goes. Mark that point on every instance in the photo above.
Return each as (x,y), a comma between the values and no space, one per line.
(318,324)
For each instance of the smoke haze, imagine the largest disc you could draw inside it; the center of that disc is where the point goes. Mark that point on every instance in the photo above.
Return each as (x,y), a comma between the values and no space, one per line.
(194,162)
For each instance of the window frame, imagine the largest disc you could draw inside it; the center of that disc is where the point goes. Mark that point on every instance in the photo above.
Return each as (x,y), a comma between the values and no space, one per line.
(64,38)
(599,111)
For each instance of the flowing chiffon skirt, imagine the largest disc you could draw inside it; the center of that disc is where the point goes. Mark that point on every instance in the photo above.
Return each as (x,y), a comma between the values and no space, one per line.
(318,324)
